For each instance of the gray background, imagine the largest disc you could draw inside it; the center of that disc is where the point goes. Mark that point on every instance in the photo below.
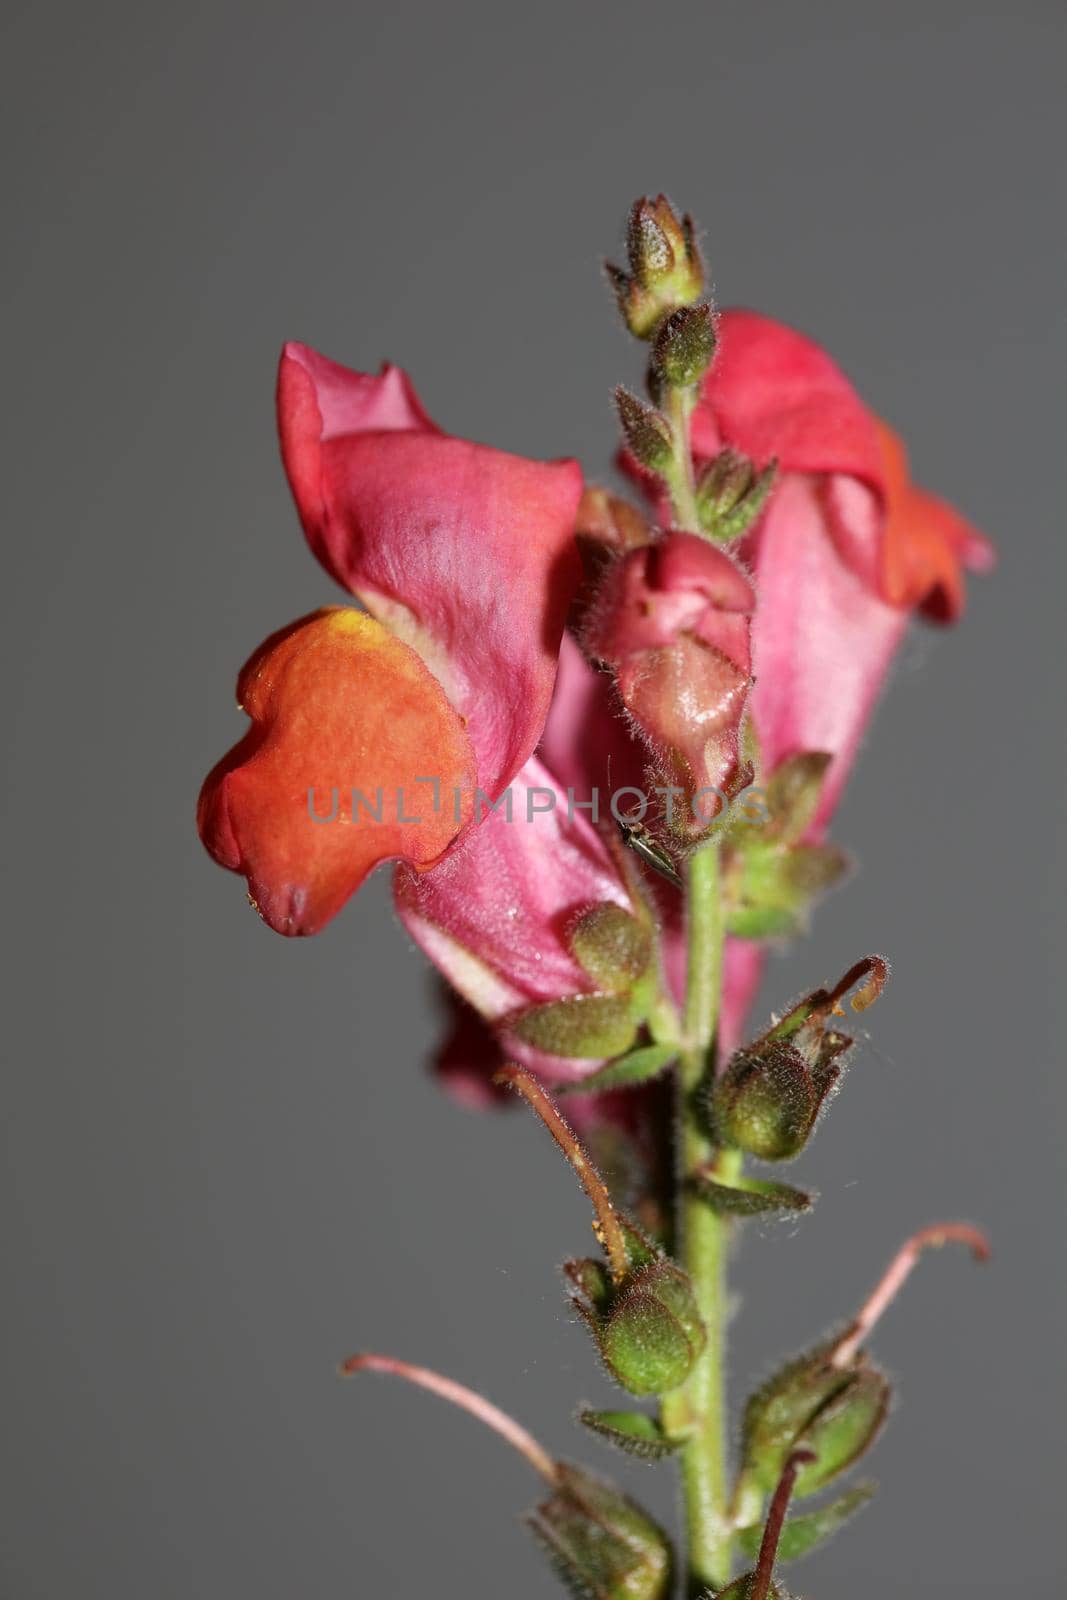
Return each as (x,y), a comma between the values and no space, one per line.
(224,1167)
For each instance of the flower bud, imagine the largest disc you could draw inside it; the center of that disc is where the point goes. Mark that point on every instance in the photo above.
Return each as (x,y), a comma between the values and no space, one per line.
(836,1413)
(769,1098)
(731,494)
(647,433)
(684,347)
(665,266)
(767,1101)
(770,887)
(647,1327)
(600,1542)
(652,1333)
(672,620)
(612,946)
(640,1306)
(794,794)
(583,1027)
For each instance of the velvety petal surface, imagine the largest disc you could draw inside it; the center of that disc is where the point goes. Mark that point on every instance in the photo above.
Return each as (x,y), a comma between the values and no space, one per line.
(466,552)
(672,620)
(588,743)
(494,916)
(336,703)
(772,392)
(822,642)
(928,544)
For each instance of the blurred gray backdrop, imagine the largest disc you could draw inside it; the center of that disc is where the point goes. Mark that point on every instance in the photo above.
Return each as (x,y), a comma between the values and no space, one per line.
(224,1167)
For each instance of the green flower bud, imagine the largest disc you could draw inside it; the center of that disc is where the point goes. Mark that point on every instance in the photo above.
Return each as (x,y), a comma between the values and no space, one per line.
(653,1332)
(612,946)
(647,433)
(684,347)
(766,1102)
(770,887)
(835,1412)
(639,1306)
(601,1543)
(585,1026)
(731,494)
(794,790)
(769,1098)
(665,266)
(646,1326)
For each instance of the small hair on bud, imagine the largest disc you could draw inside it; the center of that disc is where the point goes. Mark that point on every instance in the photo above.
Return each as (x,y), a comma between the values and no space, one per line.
(685,345)
(647,245)
(665,266)
(647,434)
(897,1274)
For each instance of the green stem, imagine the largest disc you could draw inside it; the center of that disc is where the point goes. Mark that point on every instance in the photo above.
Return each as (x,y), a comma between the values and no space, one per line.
(678,404)
(698,1408)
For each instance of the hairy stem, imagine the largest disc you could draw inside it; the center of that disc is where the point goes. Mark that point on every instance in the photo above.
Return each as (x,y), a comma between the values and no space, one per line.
(698,1408)
(678,405)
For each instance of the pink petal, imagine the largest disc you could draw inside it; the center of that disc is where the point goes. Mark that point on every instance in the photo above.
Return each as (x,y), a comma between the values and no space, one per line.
(588,743)
(772,392)
(493,917)
(465,552)
(742,973)
(822,642)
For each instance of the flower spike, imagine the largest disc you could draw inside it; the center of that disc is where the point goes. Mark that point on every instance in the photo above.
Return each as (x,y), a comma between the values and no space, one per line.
(467,1400)
(897,1273)
(608,1227)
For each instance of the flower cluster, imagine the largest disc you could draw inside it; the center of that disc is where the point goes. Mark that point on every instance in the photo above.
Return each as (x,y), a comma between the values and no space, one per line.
(522,643)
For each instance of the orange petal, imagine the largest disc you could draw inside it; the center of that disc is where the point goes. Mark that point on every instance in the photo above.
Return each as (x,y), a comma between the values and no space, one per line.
(927,543)
(337,704)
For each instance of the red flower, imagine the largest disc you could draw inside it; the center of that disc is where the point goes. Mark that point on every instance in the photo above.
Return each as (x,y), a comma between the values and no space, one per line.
(845,549)
(672,621)
(464,558)
(927,543)
(495,918)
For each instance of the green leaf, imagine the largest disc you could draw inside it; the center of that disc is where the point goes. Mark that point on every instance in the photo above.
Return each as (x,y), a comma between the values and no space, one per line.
(637,1066)
(639,1435)
(808,1531)
(751,1197)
